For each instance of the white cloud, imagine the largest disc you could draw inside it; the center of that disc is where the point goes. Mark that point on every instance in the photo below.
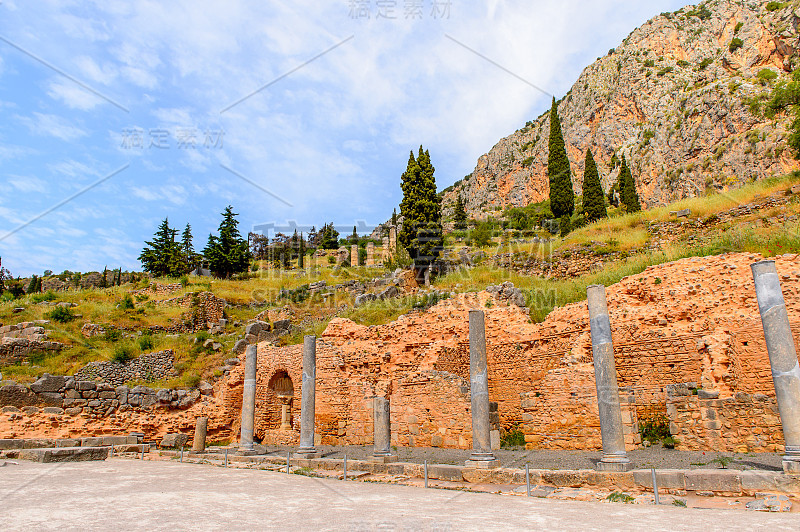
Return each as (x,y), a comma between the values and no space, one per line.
(52,125)
(73,96)
(27,184)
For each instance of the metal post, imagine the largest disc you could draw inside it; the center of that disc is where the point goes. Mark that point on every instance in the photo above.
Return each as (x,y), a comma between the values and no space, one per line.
(226,457)
(181,454)
(527,479)
(605,376)
(287,462)
(111,453)
(655,486)
(344,476)
(782,358)
(426,473)
(142,451)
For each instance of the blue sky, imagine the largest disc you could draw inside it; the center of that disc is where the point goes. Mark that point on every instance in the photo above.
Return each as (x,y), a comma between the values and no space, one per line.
(117,114)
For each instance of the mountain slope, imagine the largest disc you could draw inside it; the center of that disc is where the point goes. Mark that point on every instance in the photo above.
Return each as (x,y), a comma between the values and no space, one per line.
(673,98)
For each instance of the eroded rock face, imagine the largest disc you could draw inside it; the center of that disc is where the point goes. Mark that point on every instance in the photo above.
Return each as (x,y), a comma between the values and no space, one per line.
(672,98)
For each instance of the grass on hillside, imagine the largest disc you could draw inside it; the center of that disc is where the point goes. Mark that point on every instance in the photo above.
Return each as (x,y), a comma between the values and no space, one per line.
(250,296)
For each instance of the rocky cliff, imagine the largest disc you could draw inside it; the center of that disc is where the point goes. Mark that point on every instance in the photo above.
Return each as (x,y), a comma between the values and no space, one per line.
(673,98)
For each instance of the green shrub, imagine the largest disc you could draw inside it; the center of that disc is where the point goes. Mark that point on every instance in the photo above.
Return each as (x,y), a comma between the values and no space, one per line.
(61,314)
(704,63)
(774,6)
(46,296)
(735,44)
(619,497)
(765,75)
(665,70)
(738,27)
(123,352)
(512,438)
(650,63)
(146,343)
(185,280)
(112,335)
(669,442)
(655,429)
(126,303)
(527,162)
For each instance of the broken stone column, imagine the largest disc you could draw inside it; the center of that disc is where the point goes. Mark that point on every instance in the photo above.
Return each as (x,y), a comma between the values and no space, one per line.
(341,255)
(482,455)
(782,357)
(249,401)
(370,254)
(382,451)
(385,256)
(605,376)
(354,255)
(200,430)
(308,390)
(392,240)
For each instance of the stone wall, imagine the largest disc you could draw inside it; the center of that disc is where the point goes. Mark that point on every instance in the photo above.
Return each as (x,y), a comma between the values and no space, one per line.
(17,341)
(742,423)
(146,367)
(72,396)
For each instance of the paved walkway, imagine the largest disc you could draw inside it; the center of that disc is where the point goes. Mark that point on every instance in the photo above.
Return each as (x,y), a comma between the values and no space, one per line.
(132,494)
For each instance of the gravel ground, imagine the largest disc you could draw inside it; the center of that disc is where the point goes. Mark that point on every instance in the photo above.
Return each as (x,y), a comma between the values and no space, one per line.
(652,457)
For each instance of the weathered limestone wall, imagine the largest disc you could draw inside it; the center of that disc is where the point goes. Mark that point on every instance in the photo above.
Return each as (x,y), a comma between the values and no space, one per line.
(742,423)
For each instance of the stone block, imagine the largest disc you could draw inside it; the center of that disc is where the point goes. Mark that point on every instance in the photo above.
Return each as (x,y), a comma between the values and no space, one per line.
(64,454)
(107,395)
(73,411)
(437,440)
(174,441)
(53,410)
(72,394)
(565,478)
(84,385)
(753,481)
(38,443)
(48,383)
(445,472)
(673,479)
(89,394)
(68,442)
(115,440)
(494,438)
(92,442)
(7,444)
(714,480)
(707,394)
(51,398)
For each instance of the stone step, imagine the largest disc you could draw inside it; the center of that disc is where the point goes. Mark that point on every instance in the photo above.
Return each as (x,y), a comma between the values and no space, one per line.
(72,454)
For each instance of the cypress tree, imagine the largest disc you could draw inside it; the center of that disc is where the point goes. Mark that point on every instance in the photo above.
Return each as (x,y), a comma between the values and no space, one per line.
(394,217)
(301,253)
(421,235)
(354,236)
(594,204)
(460,214)
(562,197)
(627,189)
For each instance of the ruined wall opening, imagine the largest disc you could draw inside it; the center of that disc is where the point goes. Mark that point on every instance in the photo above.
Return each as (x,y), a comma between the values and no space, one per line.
(279,401)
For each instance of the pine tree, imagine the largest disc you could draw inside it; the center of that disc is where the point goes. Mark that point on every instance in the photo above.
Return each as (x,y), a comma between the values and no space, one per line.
(329,237)
(562,197)
(188,249)
(421,235)
(460,214)
(229,253)
(627,189)
(594,203)
(163,255)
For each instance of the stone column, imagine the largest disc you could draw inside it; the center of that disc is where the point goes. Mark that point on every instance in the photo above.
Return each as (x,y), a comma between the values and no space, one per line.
(385,256)
(782,358)
(354,255)
(285,414)
(200,430)
(370,254)
(308,390)
(392,240)
(249,401)
(341,255)
(382,450)
(482,455)
(605,377)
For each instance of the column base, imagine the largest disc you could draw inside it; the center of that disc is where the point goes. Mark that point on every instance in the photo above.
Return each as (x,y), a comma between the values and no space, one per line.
(483,464)
(791,465)
(617,466)
(246,452)
(383,459)
(307,455)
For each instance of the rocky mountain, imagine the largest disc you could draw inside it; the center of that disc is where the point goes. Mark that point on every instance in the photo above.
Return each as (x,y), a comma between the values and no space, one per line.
(674,97)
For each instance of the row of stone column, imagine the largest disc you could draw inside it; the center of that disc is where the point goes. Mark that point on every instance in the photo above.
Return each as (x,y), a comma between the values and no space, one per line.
(780,347)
